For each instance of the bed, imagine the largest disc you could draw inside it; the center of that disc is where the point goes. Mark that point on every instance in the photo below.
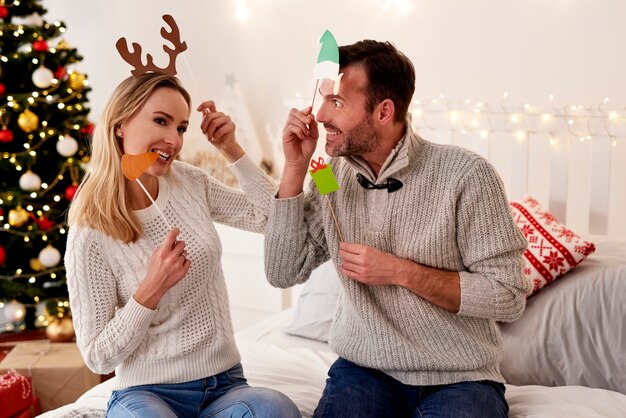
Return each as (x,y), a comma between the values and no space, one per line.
(565,357)
(297,366)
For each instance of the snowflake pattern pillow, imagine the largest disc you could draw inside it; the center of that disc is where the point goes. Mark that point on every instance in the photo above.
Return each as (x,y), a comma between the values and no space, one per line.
(552,249)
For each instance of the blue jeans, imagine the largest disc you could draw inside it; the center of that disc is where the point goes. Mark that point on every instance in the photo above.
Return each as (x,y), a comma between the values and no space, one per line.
(224,395)
(355,391)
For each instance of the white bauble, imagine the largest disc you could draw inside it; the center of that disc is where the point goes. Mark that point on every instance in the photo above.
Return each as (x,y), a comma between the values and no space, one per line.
(42,77)
(30,182)
(49,256)
(67,146)
(14,311)
(31,20)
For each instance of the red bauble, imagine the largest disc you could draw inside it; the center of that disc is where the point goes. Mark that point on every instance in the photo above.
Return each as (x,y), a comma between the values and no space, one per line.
(2,89)
(3,255)
(4,12)
(88,129)
(40,45)
(60,72)
(70,191)
(6,135)
(43,222)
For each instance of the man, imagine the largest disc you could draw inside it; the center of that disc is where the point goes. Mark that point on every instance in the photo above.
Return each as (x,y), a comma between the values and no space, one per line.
(430,257)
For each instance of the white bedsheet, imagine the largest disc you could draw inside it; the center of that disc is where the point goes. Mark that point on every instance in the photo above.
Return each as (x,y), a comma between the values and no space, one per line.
(297,367)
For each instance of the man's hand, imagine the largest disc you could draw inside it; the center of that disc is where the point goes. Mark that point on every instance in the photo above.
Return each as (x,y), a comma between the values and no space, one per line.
(300,136)
(370,266)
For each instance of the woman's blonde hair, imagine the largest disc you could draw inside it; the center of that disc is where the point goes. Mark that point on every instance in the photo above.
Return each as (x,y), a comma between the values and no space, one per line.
(101,202)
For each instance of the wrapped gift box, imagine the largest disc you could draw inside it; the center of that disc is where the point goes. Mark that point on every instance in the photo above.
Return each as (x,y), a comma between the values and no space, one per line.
(57,371)
(16,396)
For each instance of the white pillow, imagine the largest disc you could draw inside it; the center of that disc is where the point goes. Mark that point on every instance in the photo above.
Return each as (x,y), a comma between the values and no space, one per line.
(316,304)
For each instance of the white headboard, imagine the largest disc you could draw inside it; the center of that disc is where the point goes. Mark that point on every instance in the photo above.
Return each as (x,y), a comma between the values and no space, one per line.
(571,159)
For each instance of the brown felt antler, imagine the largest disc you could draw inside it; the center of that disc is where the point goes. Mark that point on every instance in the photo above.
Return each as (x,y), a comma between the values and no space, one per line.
(134,57)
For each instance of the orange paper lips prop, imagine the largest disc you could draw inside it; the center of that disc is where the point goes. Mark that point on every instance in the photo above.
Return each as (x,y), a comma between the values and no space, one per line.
(133,166)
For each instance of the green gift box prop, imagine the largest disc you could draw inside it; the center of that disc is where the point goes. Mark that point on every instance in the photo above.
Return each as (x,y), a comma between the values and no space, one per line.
(323,176)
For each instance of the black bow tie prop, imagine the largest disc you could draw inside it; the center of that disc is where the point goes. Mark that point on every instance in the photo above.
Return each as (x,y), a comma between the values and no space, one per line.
(392,184)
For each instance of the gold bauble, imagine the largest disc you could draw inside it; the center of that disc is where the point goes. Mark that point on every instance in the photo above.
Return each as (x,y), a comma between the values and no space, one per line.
(63,44)
(28,121)
(35,265)
(61,330)
(18,217)
(76,81)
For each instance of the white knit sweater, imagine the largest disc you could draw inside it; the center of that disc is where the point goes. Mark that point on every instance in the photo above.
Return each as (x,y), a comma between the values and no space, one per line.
(452,214)
(189,336)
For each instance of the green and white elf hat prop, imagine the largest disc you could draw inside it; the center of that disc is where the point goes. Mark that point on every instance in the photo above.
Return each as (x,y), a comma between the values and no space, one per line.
(327,66)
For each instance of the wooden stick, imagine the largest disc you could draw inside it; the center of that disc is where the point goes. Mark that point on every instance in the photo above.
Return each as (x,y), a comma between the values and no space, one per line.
(314,93)
(334,218)
(154,203)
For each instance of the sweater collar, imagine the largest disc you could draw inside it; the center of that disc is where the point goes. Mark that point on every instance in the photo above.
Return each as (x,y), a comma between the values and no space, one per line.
(407,150)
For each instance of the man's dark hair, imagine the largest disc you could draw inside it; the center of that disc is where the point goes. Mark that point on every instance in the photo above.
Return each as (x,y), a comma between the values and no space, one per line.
(390,73)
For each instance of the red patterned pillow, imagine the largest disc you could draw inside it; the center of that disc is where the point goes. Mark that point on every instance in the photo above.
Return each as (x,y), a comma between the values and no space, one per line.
(552,249)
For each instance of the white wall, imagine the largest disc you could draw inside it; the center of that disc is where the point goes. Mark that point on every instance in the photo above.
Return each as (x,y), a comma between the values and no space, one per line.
(464,49)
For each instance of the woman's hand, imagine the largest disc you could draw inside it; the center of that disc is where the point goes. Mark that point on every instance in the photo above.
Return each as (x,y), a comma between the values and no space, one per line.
(167,266)
(219,129)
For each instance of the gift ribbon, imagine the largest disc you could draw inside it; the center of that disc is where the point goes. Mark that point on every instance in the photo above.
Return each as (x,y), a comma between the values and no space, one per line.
(317,165)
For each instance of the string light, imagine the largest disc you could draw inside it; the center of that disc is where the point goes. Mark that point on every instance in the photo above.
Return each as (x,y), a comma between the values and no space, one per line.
(578,121)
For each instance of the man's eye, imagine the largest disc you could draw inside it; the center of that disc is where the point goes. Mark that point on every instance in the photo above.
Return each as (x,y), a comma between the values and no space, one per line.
(337,104)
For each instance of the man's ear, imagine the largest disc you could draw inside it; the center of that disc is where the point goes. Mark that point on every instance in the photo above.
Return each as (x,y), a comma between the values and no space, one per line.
(385,112)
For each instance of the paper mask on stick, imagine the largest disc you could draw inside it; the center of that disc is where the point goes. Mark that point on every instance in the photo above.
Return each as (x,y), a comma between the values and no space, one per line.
(134,166)
(327,66)
(326,183)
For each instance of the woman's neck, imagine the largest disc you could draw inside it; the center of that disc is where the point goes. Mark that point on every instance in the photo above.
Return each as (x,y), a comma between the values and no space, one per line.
(137,198)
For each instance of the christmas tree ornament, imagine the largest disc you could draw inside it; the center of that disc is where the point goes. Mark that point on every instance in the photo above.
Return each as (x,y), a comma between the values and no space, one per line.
(4,12)
(2,89)
(40,45)
(42,222)
(28,121)
(34,19)
(42,77)
(67,146)
(30,182)
(3,255)
(6,135)
(14,311)
(63,44)
(49,256)
(70,192)
(87,129)
(35,265)
(77,80)
(60,330)
(18,217)
(60,72)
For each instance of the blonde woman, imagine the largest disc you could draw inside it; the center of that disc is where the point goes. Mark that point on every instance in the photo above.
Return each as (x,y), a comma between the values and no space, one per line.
(150,302)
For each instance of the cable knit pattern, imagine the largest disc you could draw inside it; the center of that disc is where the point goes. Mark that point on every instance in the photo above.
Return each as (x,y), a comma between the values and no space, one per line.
(190,335)
(452,214)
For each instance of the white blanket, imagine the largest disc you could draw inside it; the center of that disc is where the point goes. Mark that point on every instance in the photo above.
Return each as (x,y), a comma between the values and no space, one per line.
(297,367)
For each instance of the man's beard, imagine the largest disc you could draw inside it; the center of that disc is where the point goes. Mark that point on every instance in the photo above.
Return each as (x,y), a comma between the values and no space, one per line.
(360,140)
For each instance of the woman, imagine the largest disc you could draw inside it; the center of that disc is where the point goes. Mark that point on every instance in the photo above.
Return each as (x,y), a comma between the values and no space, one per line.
(150,302)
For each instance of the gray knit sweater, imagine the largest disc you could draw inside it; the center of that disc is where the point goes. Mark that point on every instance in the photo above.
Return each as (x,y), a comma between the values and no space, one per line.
(452,214)
(189,336)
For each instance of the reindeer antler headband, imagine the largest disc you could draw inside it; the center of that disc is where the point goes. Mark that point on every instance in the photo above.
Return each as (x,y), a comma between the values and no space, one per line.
(134,57)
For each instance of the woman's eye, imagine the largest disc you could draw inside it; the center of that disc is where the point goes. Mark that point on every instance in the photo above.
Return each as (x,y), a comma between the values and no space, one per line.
(160,121)
(182,129)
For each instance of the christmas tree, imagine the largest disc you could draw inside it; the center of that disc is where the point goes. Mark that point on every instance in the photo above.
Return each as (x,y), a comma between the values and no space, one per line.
(43,143)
